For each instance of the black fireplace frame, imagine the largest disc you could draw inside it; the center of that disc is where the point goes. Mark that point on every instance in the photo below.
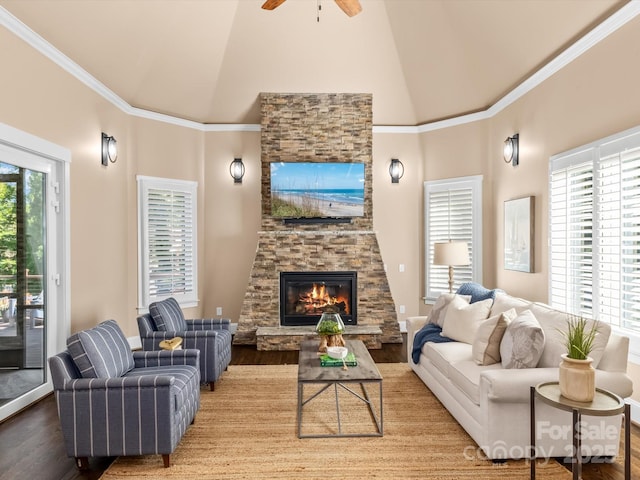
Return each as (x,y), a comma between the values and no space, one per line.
(318,277)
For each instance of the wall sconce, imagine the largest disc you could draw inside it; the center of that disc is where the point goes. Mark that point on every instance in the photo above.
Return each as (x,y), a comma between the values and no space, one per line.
(511,150)
(236,169)
(109,149)
(396,170)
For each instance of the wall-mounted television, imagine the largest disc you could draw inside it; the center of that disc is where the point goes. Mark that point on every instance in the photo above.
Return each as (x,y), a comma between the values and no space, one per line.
(317,189)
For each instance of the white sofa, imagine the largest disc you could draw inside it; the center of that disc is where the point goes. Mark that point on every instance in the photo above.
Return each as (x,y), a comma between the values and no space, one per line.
(492,403)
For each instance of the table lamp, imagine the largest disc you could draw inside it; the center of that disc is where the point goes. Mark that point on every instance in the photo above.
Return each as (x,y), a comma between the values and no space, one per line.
(451,254)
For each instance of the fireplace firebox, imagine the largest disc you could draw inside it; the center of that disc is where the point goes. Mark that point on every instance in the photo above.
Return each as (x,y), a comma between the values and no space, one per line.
(304,296)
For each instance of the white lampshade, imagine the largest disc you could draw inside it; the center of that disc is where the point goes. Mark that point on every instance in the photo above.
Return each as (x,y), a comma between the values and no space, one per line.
(450,253)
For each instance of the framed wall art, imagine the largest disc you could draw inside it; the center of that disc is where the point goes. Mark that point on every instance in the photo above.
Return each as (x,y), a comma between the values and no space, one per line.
(518,234)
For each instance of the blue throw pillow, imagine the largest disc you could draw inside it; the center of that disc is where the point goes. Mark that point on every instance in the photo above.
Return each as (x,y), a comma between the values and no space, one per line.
(477,292)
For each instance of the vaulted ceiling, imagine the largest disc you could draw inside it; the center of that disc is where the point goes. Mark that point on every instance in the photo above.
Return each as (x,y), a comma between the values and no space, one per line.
(208,60)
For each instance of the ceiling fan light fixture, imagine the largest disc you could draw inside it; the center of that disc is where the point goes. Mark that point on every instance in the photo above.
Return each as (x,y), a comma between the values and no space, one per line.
(272,4)
(350,7)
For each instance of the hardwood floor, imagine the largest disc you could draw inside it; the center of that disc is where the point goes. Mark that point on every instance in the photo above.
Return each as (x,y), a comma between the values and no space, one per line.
(31,445)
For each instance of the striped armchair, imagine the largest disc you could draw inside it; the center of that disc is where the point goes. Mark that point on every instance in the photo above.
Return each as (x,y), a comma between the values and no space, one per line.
(211,336)
(112,401)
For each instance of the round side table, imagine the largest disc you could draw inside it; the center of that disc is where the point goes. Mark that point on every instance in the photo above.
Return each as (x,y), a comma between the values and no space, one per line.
(604,404)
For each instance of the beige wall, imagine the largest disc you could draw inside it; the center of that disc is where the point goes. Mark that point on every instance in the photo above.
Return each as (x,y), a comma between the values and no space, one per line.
(593,97)
(397,220)
(38,97)
(461,151)
(232,220)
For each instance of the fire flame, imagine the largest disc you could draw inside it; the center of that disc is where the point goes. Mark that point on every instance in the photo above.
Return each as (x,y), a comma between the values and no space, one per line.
(318,298)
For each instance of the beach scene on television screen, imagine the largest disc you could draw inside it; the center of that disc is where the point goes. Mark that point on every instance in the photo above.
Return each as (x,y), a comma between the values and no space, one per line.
(317,189)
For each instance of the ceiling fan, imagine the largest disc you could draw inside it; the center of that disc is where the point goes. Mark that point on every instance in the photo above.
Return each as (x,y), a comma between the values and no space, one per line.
(350,7)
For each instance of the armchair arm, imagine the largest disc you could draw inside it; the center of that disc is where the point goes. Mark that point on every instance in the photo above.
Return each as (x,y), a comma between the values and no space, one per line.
(208,324)
(151,342)
(160,358)
(117,383)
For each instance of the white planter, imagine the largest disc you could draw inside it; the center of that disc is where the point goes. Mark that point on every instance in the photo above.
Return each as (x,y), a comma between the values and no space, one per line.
(577,379)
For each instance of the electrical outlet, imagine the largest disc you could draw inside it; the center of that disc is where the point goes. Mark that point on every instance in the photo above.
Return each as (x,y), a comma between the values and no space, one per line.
(402,309)
(218,311)
(401,268)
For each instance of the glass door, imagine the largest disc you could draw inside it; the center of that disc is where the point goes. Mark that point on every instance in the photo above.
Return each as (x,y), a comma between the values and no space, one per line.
(22,289)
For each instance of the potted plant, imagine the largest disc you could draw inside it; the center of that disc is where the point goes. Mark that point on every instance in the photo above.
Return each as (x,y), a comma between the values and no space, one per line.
(577,375)
(330,328)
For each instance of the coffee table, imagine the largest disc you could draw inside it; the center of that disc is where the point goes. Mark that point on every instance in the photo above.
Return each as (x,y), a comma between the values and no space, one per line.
(310,372)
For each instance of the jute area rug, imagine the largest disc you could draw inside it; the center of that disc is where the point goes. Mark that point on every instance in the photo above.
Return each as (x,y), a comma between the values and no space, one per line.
(246,429)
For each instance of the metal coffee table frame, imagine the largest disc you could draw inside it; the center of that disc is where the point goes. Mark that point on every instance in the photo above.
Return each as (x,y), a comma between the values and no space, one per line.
(310,372)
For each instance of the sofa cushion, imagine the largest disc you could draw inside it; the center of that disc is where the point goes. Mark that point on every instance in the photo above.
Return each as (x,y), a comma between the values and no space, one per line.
(101,352)
(168,316)
(554,322)
(466,376)
(439,309)
(503,302)
(443,355)
(462,319)
(523,342)
(486,344)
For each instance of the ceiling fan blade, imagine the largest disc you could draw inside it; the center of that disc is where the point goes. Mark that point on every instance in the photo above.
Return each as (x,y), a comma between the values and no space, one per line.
(271,4)
(350,7)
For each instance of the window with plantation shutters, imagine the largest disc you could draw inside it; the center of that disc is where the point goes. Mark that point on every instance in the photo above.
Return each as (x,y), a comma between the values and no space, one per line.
(453,211)
(594,216)
(167,241)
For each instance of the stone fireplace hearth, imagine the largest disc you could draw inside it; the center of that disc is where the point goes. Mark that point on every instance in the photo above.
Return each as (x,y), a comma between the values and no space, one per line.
(316,128)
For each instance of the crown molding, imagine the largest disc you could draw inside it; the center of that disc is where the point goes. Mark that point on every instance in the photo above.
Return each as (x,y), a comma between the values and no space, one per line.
(627,13)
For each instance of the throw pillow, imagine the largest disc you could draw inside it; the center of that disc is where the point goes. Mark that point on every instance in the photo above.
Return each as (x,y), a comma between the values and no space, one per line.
(168,316)
(477,292)
(523,342)
(439,309)
(101,352)
(462,319)
(554,322)
(486,344)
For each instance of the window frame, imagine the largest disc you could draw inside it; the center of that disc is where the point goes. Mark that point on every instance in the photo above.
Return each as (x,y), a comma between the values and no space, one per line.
(474,270)
(597,153)
(29,151)
(145,184)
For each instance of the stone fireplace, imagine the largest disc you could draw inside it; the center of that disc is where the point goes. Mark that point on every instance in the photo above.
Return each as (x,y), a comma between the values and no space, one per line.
(316,128)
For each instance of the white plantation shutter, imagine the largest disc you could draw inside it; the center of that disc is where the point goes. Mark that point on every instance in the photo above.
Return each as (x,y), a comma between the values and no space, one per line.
(453,211)
(595,230)
(167,210)
(571,235)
